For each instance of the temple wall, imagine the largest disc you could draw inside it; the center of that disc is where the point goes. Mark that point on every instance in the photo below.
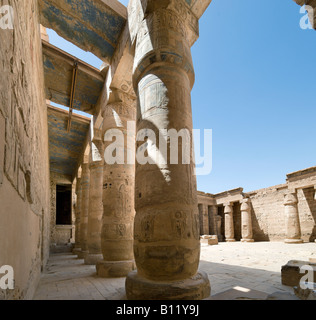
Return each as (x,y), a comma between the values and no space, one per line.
(268,215)
(24,156)
(268,210)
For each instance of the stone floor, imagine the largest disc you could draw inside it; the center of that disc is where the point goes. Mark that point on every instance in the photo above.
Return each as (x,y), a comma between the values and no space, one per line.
(236,271)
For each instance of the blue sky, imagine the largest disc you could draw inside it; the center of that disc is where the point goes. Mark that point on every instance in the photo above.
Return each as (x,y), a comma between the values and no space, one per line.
(254,88)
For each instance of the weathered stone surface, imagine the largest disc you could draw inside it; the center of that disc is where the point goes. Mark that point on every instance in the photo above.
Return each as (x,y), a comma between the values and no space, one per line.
(85,185)
(166,241)
(77,247)
(95,213)
(229,223)
(114,269)
(246,221)
(118,190)
(24,168)
(293,228)
(194,288)
(212,241)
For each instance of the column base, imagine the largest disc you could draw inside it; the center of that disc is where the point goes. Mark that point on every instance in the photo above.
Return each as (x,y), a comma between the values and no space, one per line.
(82,254)
(114,269)
(230,240)
(290,241)
(195,288)
(75,251)
(247,240)
(92,259)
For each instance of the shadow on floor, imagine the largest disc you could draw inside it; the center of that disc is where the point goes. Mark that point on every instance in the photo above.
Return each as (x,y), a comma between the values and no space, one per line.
(68,278)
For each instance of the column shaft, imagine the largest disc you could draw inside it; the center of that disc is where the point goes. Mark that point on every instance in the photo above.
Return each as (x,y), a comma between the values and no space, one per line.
(212,212)
(95,204)
(118,193)
(293,228)
(85,186)
(77,247)
(246,221)
(229,223)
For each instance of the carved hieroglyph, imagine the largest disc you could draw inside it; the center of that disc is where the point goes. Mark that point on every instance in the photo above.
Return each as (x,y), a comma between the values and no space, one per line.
(118,192)
(95,203)
(166,241)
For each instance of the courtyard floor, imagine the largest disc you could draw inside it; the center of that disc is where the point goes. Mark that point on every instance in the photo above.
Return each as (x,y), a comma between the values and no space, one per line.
(236,271)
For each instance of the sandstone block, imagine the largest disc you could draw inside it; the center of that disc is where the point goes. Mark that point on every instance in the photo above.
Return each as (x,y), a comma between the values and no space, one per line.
(290,273)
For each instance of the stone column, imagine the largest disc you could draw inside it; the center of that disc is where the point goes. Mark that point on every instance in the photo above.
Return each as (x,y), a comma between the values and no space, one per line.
(77,247)
(118,189)
(212,213)
(85,186)
(229,223)
(206,228)
(203,218)
(166,242)
(95,201)
(293,228)
(246,221)
(218,220)
(315,192)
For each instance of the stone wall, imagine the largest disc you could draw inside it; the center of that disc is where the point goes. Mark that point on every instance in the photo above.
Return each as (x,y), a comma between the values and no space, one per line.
(268,215)
(267,207)
(24,164)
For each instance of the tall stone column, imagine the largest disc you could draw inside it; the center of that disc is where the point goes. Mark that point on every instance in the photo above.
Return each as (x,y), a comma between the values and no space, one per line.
(246,221)
(229,223)
(118,189)
(293,228)
(206,227)
(77,247)
(212,213)
(203,217)
(85,188)
(166,242)
(218,220)
(95,201)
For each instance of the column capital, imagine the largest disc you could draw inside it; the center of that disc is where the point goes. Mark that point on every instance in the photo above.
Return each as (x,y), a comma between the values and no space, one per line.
(159,33)
(228,207)
(290,198)
(139,9)
(245,204)
(122,103)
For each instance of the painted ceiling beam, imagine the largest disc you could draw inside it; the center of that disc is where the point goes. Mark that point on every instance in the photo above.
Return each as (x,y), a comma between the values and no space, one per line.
(65,147)
(58,71)
(92,25)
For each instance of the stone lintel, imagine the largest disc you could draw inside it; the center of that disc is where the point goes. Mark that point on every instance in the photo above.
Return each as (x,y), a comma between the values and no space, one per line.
(93,26)
(234,195)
